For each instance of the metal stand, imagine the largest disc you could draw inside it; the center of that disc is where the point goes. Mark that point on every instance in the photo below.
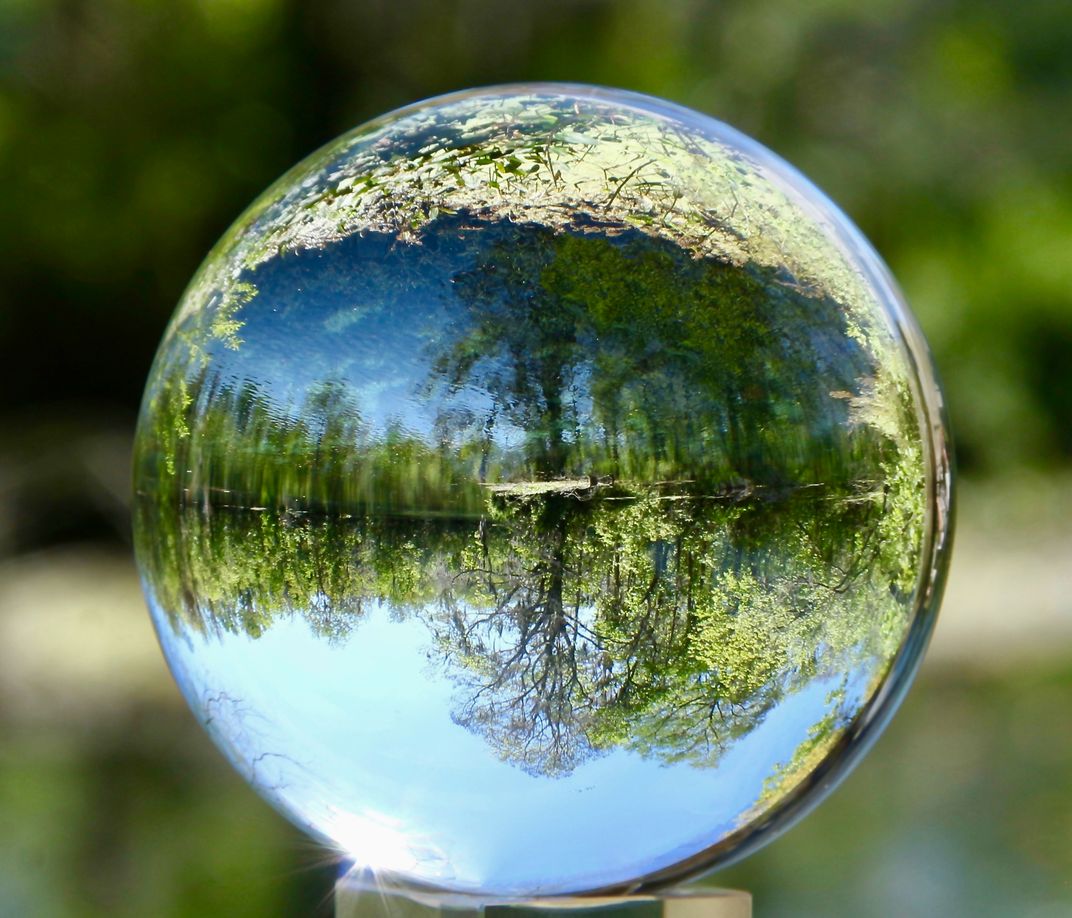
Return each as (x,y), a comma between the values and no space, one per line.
(355,898)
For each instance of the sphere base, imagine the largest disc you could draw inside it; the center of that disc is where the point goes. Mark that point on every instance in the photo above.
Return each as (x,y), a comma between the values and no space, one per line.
(356,898)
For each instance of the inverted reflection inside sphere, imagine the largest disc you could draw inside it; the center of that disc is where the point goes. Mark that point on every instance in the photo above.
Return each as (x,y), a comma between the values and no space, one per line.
(541,490)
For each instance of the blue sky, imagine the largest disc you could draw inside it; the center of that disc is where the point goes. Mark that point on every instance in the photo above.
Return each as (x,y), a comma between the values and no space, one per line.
(357,740)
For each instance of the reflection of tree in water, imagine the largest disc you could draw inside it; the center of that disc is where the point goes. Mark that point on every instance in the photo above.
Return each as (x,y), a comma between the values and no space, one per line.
(593,353)
(621,355)
(687,490)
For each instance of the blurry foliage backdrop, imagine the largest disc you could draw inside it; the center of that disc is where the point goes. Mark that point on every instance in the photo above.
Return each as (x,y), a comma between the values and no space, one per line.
(132,133)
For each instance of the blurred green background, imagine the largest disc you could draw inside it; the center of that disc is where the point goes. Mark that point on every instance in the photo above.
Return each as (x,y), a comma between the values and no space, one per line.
(132,133)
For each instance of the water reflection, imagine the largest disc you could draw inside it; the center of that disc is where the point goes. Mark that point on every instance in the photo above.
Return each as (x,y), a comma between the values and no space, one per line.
(512,353)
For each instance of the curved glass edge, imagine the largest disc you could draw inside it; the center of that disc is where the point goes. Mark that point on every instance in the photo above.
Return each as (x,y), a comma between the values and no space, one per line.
(872,720)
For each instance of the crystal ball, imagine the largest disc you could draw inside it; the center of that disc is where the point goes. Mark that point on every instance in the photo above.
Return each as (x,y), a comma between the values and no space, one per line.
(542,490)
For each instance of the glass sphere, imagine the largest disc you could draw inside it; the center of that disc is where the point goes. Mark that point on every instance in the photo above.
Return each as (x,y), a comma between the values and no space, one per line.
(542,490)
